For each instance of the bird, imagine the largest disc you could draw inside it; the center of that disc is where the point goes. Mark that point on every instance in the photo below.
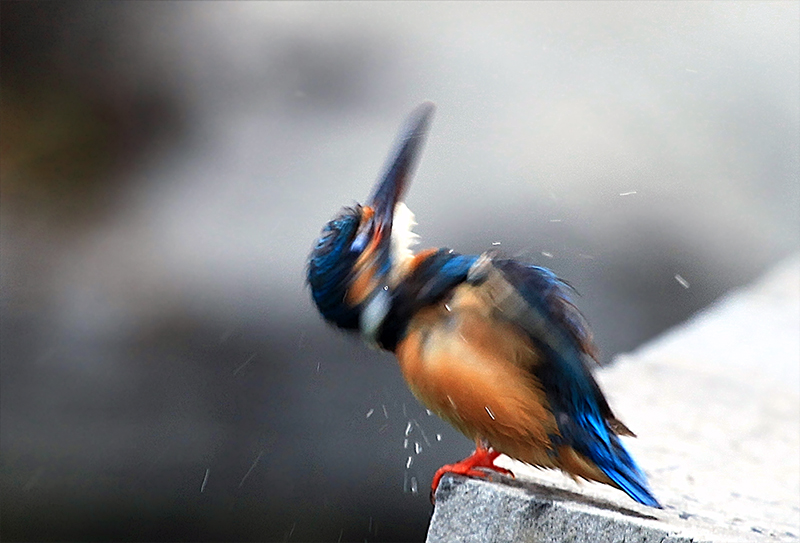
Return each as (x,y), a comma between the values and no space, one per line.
(492,345)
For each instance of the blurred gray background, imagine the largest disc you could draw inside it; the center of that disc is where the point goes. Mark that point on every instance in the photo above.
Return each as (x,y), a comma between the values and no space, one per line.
(166,168)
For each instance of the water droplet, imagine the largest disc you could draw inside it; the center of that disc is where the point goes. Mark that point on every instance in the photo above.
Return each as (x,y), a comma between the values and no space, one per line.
(405,443)
(409,462)
(370,412)
(438,437)
(421,431)
(629,193)
(548,255)
(417,447)
(250,359)
(489,411)
(414,487)
(408,428)
(681,281)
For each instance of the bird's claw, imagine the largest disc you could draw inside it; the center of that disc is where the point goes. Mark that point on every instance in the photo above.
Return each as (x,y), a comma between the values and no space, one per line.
(474,465)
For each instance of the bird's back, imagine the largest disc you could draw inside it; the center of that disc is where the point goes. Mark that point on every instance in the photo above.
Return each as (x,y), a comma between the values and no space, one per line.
(503,357)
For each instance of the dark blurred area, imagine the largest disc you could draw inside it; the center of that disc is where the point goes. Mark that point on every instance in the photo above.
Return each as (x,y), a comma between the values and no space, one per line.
(165,168)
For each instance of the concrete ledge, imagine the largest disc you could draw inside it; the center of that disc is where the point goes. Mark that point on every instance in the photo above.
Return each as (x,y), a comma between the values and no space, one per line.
(716,405)
(470,510)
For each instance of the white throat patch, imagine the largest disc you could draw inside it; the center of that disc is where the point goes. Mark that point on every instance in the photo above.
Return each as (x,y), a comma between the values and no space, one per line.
(403,238)
(373,315)
(377,307)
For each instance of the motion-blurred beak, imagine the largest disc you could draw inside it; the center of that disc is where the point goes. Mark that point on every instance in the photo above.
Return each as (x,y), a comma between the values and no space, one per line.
(392,186)
(374,240)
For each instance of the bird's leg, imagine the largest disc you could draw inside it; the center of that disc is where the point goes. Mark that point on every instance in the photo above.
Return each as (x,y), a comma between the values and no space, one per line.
(483,457)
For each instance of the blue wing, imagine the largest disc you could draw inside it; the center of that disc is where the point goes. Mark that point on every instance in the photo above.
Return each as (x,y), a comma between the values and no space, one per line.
(585,420)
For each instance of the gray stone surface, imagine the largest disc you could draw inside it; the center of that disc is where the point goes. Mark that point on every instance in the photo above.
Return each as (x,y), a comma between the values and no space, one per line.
(475,510)
(716,405)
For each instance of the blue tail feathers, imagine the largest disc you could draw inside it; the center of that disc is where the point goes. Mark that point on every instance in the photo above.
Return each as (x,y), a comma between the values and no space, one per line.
(625,473)
(593,439)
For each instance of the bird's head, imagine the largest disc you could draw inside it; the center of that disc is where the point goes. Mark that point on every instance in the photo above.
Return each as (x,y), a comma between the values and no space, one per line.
(360,255)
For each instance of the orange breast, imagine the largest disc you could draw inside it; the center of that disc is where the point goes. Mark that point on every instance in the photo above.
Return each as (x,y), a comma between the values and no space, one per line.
(473,370)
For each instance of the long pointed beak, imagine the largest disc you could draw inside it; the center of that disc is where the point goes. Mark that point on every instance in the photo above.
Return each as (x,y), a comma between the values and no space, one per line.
(374,240)
(400,168)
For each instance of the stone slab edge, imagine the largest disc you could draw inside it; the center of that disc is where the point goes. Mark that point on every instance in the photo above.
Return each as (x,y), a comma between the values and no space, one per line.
(504,510)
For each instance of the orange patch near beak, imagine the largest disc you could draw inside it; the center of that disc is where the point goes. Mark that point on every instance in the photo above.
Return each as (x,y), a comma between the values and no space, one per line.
(364,267)
(361,287)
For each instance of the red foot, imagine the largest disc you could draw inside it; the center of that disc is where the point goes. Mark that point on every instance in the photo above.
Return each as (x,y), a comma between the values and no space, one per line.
(481,458)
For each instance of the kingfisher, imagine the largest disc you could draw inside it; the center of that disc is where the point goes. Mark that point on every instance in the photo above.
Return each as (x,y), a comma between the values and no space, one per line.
(492,345)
